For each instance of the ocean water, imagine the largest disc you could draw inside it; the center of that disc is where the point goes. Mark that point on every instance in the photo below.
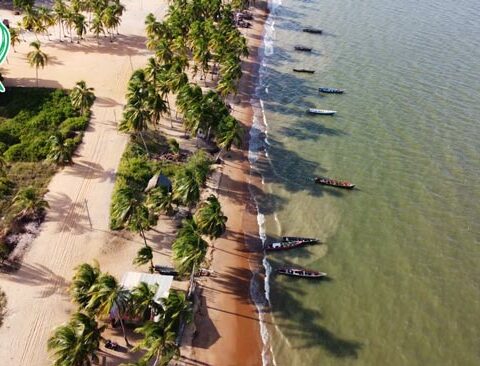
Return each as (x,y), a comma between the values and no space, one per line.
(403,250)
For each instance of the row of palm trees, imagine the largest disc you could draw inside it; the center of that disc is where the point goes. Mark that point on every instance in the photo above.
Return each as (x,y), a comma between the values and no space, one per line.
(99,295)
(189,248)
(70,16)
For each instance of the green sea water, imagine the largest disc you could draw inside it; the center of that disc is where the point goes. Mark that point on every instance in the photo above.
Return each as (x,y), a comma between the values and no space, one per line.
(402,251)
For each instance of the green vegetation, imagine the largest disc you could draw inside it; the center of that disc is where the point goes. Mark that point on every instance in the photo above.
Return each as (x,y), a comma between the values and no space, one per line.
(39,129)
(96,292)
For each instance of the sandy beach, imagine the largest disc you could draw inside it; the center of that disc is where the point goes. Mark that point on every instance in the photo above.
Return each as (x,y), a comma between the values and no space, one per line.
(76,226)
(228,329)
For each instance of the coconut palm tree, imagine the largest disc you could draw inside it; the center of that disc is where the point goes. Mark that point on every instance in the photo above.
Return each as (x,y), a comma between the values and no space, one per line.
(210,219)
(189,249)
(107,295)
(186,187)
(143,300)
(45,19)
(82,98)
(76,343)
(30,201)
(80,26)
(84,278)
(124,206)
(158,342)
(111,20)
(97,26)
(37,58)
(229,133)
(139,220)
(60,11)
(61,149)
(175,309)
(160,199)
(144,256)
(14,37)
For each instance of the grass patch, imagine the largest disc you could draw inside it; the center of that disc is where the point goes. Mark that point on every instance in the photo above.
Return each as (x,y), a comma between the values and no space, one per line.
(28,118)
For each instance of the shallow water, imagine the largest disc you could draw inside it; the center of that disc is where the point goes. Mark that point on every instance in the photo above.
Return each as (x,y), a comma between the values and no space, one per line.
(403,250)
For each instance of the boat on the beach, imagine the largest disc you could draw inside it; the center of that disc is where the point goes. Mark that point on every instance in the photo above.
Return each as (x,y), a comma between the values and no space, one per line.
(163,270)
(331,90)
(325,112)
(303,48)
(300,272)
(290,242)
(334,183)
(312,30)
(304,70)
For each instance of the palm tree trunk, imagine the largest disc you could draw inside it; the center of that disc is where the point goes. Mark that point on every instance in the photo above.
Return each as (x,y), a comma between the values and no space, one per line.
(36,73)
(123,329)
(144,144)
(143,236)
(219,154)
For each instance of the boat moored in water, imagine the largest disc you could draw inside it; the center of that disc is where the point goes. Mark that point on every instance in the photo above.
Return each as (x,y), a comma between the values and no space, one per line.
(300,272)
(304,70)
(312,30)
(331,90)
(303,48)
(290,242)
(334,183)
(325,112)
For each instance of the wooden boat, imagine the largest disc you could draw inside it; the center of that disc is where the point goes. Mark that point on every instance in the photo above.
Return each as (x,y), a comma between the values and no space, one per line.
(312,30)
(303,48)
(334,183)
(283,245)
(331,90)
(300,272)
(325,112)
(303,240)
(168,271)
(304,70)
(290,242)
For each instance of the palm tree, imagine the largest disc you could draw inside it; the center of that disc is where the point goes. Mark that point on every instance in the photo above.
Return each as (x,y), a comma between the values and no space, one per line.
(45,19)
(60,12)
(37,58)
(158,342)
(80,26)
(143,300)
(61,149)
(82,98)
(97,26)
(85,277)
(229,133)
(76,343)
(175,309)
(14,37)
(186,187)
(111,19)
(160,199)
(30,201)
(107,295)
(189,249)
(144,255)
(210,219)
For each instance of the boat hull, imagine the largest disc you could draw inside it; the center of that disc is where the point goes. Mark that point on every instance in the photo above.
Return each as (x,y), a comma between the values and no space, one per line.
(323,112)
(331,90)
(334,183)
(304,71)
(300,273)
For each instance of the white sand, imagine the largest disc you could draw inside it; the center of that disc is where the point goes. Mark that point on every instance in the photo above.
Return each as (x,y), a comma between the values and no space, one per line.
(37,297)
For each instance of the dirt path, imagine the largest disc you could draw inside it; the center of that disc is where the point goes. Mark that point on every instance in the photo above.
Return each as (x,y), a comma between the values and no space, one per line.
(76,226)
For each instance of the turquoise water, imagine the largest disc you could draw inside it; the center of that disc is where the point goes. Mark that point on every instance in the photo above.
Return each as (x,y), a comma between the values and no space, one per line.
(402,251)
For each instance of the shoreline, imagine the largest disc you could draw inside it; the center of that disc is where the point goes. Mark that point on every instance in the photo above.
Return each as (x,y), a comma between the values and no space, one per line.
(227,321)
